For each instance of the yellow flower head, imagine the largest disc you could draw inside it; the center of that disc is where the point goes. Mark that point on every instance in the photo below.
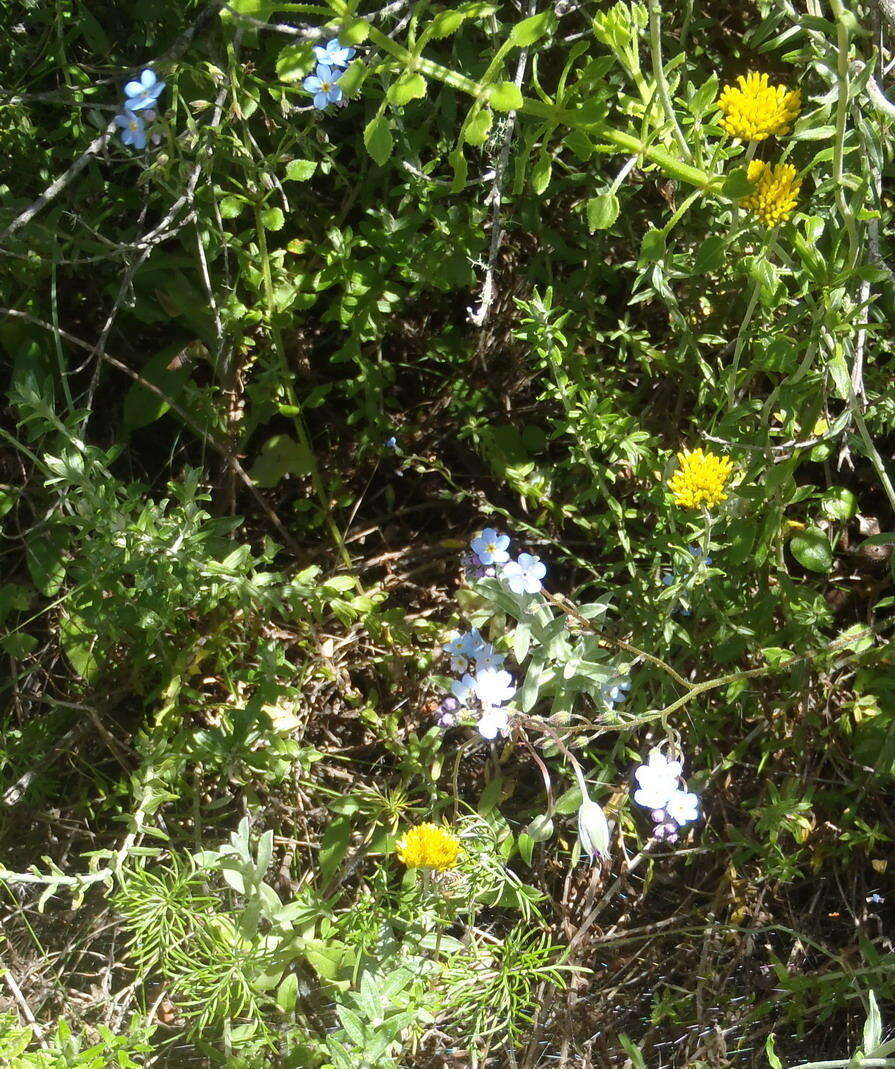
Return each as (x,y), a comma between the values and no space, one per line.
(756,110)
(700,480)
(430,847)
(776,191)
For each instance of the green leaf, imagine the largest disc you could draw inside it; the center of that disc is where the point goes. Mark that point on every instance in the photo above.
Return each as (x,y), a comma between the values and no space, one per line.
(142,406)
(355,33)
(839,503)
(528,31)
(525,845)
(78,641)
(18,644)
(709,255)
(273,218)
(652,248)
(840,375)
(811,548)
(541,173)
(300,170)
(505,96)
(737,185)
(602,211)
(280,456)
(45,564)
(410,86)
(287,993)
(490,796)
(232,206)
(477,128)
(378,139)
(294,62)
(580,144)
(461,169)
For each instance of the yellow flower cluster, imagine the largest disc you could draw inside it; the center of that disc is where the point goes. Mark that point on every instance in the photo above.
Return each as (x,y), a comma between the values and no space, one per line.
(429,847)
(776,191)
(700,480)
(756,109)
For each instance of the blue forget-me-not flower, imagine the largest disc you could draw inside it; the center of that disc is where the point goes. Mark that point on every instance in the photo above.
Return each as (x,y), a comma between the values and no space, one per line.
(142,93)
(322,86)
(334,54)
(133,129)
(491,547)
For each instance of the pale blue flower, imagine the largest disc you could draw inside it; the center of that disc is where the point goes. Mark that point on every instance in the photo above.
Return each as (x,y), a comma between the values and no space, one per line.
(488,657)
(464,648)
(524,575)
(463,689)
(698,555)
(133,129)
(322,86)
(491,547)
(334,54)
(616,691)
(391,443)
(143,93)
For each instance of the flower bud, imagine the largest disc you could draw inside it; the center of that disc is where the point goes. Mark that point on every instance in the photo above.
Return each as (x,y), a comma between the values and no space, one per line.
(593,830)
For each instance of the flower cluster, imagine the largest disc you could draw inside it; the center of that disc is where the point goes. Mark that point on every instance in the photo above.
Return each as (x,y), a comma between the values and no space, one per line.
(754,110)
(775,193)
(137,110)
(491,557)
(700,480)
(428,846)
(332,60)
(484,689)
(659,790)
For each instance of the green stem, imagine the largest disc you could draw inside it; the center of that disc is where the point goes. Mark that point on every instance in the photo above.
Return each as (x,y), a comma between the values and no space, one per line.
(841,117)
(298,422)
(538,109)
(655,39)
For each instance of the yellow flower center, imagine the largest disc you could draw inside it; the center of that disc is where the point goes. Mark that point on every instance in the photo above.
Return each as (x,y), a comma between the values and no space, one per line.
(429,846)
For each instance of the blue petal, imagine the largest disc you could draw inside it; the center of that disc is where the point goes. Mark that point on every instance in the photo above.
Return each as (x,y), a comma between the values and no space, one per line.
(335,74)
(332,45)
(148,78)
(324,73)
(313,84)
(335,94)
(133,89)
(321,54)
(320,101)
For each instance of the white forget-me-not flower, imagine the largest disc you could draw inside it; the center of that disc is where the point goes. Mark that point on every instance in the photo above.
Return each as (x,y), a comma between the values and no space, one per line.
(524,575)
